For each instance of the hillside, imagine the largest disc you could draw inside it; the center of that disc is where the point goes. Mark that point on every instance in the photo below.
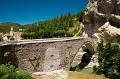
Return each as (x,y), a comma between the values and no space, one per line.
(6,26)
(62,26)
(67,25)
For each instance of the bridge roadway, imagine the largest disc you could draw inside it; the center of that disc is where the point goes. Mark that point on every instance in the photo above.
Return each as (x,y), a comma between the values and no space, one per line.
(44,54)
(40,40)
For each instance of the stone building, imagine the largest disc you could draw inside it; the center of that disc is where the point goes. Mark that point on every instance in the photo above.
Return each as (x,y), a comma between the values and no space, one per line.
(11,35)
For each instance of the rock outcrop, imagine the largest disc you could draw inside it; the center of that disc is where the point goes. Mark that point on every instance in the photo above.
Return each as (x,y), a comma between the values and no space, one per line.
(110,31)
(109,6)
(102,13)
(104,6)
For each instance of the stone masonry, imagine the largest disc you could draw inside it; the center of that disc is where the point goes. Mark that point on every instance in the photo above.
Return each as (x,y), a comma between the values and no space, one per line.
(44,54)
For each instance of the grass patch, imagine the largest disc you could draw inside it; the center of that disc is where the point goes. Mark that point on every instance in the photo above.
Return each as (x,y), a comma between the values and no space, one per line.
(80,75)
(87,70)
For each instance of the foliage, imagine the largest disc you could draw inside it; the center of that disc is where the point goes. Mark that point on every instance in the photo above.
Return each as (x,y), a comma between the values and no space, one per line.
(46,33)
(57,27)
(59,33)
(109,59)
(80,16)
(62,21)
(1,38)
(77,31)
(9,72)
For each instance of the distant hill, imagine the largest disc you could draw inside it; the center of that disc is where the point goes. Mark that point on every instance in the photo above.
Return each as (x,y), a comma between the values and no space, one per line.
(60,21)
(6,26)
(66,25)
(62,26)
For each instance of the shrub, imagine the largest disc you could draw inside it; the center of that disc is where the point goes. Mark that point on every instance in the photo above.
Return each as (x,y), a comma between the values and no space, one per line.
(25,35)
(9,72)
(1,38)
(80,16)
(59,33)
(109,59)
(69,34)
(47,32)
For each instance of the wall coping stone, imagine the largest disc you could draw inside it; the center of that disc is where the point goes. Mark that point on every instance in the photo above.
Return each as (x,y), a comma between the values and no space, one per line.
(40,40)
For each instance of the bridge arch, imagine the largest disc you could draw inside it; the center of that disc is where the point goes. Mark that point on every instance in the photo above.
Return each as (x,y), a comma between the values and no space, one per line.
(90,46)
(83,56)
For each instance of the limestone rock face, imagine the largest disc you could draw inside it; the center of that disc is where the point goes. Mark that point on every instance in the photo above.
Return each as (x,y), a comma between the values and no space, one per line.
(104,6)
(109,6)
(100,13)
(110,31)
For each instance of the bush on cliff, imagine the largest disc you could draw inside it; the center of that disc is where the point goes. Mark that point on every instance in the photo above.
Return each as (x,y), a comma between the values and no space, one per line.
(109,59)
(9,72)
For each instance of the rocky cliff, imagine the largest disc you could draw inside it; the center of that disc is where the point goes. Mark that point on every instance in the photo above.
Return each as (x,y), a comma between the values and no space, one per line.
(109,6)
(104,6)
(101,15)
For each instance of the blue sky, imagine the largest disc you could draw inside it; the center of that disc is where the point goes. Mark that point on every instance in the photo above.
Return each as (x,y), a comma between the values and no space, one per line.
(29,11)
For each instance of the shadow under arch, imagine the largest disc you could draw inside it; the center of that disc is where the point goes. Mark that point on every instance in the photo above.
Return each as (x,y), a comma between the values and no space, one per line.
(86,58)
(8,56)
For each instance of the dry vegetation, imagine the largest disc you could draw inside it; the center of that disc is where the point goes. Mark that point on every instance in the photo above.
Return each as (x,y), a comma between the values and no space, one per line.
(69,75)
(78,75)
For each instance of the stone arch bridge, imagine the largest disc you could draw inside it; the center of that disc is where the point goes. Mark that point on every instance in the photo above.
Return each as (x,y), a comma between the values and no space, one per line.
(44,54)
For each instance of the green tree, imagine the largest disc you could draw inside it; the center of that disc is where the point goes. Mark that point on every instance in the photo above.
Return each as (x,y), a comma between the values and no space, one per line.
(80,16)
(109,59)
